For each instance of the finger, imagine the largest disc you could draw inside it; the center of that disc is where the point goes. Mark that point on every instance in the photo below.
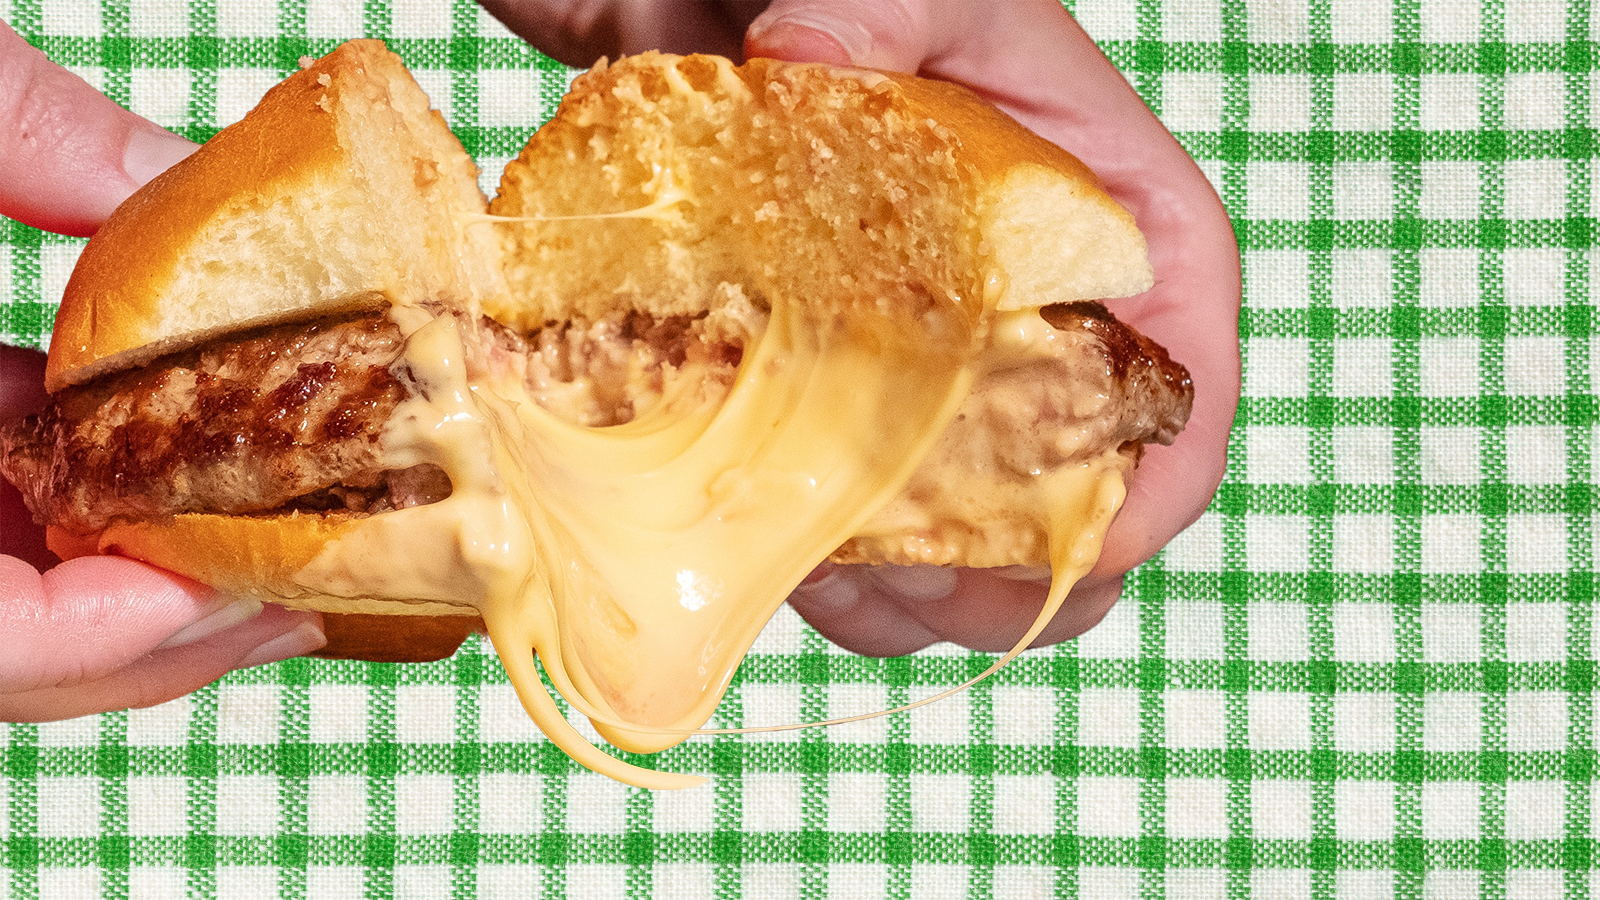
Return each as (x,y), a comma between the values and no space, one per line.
(21,392)
(90,618)
(892,610)
(166,673)
(579,32)
(71,155)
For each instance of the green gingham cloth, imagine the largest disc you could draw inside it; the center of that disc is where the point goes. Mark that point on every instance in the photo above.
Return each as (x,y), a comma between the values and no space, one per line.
(1368,671)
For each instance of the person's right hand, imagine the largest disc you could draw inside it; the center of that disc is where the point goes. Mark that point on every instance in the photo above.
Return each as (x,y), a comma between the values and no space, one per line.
(97,633)
(1033,61)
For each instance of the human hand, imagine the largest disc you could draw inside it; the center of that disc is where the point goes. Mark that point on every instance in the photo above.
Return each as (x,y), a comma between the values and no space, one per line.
(1032,60)
(98,633)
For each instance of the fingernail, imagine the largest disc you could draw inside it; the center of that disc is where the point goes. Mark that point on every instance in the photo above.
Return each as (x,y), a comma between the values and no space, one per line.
(305,638)
(832,590)
(917,582)
(851,39)
(224,613)
(151,151)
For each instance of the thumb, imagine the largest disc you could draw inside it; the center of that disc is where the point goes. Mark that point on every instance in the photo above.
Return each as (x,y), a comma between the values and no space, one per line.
(71,154)
(892,35)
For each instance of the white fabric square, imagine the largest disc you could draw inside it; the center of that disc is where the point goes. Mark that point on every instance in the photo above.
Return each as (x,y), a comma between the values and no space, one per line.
(510,803)
(239,90)
(1450,810)
(1363,632)
(335,882)
(1114,20)
(1535,188)
(856,881)
(1276,367)
(1277,543)
(1536,721)
(853,700)
(1362,21)
(945,722)
(1535,810)
(784,633)
(247,713)
(683,880)
(333,18)
(1528,21)
(160,95)
(1024,804)
(1108,883)
(421,19)
(1536,454)
(1536,543)
(690,810)
(1363,721)
(424,804)
(83,731)
(1362,101)
(247,805)
(68,806)
(772,801)
(246,19)
(596,880)
(1191,20)
(336,804)
(338,713)
(1362,367)
(1362,278)
(1196,884)
(1535,365)
(1363,884)
(73,18)
(1449,101)
(1276,279)
(1108,717)
(1024,714)
(1277,190)
(154,18)
(1363,190)
(1108,806)
(856,801)
(249,883)
(770,881)
(1449,22)
(1278,21)
(1534,276)
(1535,100)
(1023,881)
(425,713)
(1449,277)
(1452,632)
(1280,102)
(1195,629)
(1452,722)
(1196,719)
(1450,190)
(421,882)
(1363,810)
(67,882)
(1197,548)
(596,804)
(1450,884)
(1363,455)
(508,880)
(56,262)
(508,98)
(1534,884)
(159,883)
(1363,544)
(1280,721)
(501,718)
(1448,367)
(1277,454)
(1449,455)
(1197,808)
(1278,631)
(1191,101)
(1116,637)
(158,805)
(438,85)
(1281,809)
(940,802)
(1280,884)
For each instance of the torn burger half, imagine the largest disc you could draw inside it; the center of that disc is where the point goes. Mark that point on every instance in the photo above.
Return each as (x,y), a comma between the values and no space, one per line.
(721,324)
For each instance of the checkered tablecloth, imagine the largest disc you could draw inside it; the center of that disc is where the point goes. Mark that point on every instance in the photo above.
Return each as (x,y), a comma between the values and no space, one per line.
(1368,671)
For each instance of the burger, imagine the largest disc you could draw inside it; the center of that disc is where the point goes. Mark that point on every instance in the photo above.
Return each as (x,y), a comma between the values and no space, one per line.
(720,324)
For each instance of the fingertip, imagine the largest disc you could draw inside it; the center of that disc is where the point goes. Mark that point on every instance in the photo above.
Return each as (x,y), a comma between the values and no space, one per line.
(796,41)
(152,150)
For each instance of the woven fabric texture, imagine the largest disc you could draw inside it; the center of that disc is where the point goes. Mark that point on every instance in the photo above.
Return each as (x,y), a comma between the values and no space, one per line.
(1368,671)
